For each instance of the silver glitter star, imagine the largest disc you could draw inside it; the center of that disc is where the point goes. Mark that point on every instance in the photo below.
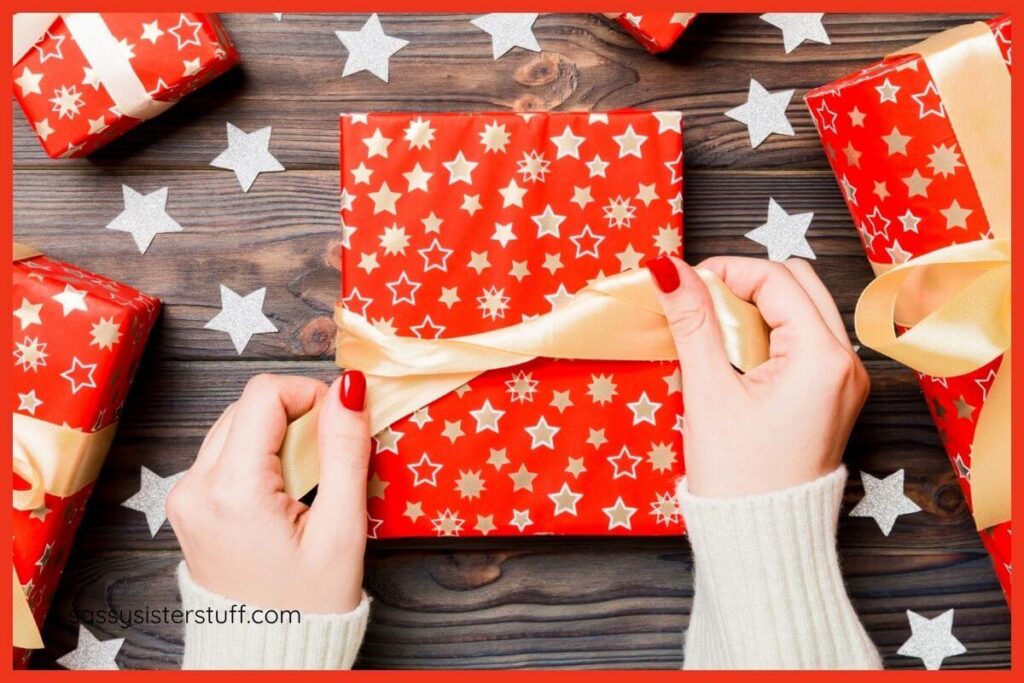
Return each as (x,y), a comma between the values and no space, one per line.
(152,497)
(931,640)
(241,316)
(369,49)
(509,31)
(763,113)
(92,654)
(798,27)
(248,155)
(144,216)
(784,234)
(884,500)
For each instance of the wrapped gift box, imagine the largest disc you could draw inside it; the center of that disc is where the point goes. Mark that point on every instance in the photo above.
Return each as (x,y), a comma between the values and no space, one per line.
(657,31)
(461,223)
(142,63)
(78,339)
(898,163)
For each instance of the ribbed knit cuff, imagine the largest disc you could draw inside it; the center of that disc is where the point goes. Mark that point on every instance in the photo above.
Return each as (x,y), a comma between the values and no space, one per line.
(313,641)
(769,593)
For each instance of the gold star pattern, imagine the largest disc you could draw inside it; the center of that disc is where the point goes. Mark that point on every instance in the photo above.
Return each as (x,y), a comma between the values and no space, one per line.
(498,458)
(917,185)
(376,486)
(413,510)
(565,500)
(561,400)
(601,388)
(661,457)
(105,333)
(596,437)
(485,524)
(964,410)
(469,484)
(452,430)
(522,479)
(619,515)
(575,467)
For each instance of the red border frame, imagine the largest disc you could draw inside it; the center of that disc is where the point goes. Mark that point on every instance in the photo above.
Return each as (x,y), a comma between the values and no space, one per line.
(363,6)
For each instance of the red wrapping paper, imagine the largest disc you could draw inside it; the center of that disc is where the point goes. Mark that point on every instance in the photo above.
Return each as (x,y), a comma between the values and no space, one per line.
(78,339)
(909,191)
(460,223)
(72,113)
(657,31)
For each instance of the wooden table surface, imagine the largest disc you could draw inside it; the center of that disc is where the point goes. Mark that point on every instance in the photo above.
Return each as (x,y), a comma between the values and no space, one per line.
(542,602)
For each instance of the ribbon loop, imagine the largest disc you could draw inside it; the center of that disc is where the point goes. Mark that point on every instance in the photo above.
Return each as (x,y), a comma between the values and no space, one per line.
(956,300)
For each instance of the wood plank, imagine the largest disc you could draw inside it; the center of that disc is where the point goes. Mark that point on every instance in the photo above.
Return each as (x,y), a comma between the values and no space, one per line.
(291,80)
(539,604)
(284,235)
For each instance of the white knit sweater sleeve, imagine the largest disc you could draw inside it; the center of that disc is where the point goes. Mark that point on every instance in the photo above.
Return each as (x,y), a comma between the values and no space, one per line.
(315,641)
(768,592)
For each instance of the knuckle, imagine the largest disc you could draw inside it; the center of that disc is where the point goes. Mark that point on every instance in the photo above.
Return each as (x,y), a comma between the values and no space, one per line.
(178,502)
(260,383)
(684,320)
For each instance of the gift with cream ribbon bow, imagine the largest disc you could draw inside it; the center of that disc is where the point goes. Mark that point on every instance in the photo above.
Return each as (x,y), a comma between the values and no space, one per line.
(86,78)
(78,339)
(921,146)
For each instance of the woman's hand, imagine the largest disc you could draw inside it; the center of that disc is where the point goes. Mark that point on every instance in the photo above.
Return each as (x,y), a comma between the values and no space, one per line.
(243,536)
(787,421)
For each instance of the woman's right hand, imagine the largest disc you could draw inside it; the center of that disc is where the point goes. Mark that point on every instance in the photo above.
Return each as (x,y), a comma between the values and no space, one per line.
(787,421)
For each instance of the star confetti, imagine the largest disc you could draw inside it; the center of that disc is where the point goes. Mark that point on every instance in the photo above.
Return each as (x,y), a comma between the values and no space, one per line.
(248,155)
(92,654)
(151,498)
(784,234)
(798,27)
(369,49)
(931,640)
(241,316)
(144,216)
(763,113)
(508,31)
(884,500)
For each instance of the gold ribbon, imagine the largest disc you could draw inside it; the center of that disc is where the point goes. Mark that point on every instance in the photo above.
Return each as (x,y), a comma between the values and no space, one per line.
(956,300)
(617,318)
(52,459)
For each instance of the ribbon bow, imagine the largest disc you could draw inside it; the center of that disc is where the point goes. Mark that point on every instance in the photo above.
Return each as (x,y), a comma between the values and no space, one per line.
(956,301)
(101,50)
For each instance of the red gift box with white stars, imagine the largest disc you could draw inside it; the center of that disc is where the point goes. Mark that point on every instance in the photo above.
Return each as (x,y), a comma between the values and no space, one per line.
(455,224)
(65,99)
(78,339)
(657,31)
(909,191)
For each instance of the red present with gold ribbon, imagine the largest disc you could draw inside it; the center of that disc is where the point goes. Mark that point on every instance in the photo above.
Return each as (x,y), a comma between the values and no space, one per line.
(78,339)
(657,31)
(518,365)
(84,79)
(920,144)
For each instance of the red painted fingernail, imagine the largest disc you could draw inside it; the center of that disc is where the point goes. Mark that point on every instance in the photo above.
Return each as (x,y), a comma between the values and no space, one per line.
(353,390)
(664,273)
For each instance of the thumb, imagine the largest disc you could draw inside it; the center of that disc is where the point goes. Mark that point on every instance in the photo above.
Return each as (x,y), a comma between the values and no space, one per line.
(686,303)
(344,454)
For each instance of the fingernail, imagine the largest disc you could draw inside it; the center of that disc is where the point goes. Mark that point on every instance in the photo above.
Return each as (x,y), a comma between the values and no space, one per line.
(353,390)
(664,273)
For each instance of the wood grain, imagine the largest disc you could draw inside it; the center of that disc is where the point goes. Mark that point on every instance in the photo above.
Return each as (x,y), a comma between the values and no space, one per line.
(482,603)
